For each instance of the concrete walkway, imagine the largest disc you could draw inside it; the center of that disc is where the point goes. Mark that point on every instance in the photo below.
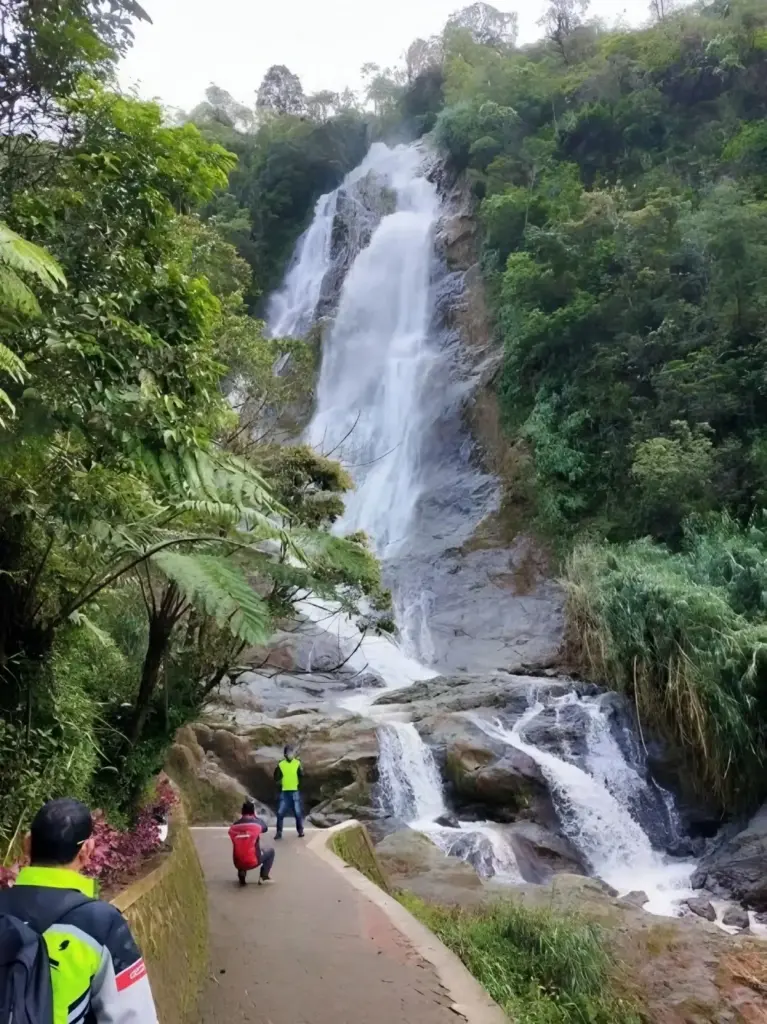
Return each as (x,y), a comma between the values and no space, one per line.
(309,948)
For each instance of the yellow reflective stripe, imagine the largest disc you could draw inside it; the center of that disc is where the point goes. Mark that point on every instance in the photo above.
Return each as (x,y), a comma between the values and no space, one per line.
(289,770)
(57,878)
(74,964)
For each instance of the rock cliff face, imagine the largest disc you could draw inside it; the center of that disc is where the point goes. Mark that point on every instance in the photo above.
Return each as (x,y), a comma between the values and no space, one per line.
(497,604)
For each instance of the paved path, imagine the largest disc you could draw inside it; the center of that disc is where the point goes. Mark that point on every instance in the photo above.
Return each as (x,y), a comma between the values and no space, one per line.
(308,949)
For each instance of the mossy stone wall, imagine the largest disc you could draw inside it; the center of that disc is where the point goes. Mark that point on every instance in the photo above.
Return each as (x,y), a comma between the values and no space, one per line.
(168,914)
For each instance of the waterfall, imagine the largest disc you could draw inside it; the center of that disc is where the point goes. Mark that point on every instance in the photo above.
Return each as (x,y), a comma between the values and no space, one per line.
(378,356)
(592,804)
(410,785)
(411,790)
(291,310)
(389,405)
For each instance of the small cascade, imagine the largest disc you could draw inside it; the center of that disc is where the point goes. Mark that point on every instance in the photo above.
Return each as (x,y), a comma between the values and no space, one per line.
(409,780)
(292,309)
(598,822)
(411,790)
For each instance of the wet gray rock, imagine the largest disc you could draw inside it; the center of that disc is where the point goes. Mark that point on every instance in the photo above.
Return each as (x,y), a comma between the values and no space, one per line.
(447,821)
(508,692)
(737,869)
(561,731)
(541,853)
(484,777)
(413,862)
(475,849)
(636,898)
(702,907)
(736,917)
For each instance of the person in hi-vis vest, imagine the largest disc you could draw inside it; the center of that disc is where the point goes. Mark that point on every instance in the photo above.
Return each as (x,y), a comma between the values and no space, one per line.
(288,775)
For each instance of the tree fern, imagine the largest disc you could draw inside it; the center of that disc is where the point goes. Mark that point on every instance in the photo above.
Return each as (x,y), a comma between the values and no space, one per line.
(18,259)
(220,589)
(11,365)
(219,486)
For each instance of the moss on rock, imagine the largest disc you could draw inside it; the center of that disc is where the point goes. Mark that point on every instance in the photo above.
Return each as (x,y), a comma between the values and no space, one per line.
(355,846)
(168,914)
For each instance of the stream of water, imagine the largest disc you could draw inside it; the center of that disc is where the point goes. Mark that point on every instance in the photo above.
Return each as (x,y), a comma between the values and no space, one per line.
(380,397)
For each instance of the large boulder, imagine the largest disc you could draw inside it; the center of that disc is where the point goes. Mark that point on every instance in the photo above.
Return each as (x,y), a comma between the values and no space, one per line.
(412,861)
(211,796)
(541,854)
(737,869)
(463,692)
(339,758)
(485,778)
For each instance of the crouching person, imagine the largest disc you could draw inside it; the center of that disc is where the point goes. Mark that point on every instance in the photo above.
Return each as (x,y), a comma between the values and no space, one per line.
(247,853)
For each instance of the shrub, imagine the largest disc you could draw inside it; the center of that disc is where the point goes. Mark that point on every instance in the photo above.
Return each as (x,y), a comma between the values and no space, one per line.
(686,635)
(120,853)
(540,967)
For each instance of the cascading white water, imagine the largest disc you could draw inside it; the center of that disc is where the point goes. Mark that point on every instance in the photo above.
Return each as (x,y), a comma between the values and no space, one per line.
(411,789)
(408,776)
(291,309)
(377,357)
(613,843)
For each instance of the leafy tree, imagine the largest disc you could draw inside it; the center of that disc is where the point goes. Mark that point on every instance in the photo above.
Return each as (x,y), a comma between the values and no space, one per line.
(661,9)
(322,105)
(18,303)
(45,46)
(281,92)
(560,21)
(486,25)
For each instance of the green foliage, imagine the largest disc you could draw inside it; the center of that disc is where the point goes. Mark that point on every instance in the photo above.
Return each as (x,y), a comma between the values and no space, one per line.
(624,225)
(540,967)
(141,544)
(20,259)
(685,633)
(220,590)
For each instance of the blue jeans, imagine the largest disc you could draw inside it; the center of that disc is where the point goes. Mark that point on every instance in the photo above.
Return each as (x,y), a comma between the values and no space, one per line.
(290,803)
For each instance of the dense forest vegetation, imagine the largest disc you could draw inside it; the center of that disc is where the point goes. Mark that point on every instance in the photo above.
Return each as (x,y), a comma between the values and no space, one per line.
(146,540)
(150,530)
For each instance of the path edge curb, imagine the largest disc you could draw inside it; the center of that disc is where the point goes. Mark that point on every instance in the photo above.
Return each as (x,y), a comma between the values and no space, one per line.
(470,1000)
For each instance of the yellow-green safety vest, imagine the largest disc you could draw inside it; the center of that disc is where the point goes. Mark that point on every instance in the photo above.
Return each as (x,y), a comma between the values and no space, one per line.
(289,770)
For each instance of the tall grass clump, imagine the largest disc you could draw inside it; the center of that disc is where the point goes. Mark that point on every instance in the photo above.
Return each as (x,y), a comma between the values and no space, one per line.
(540,967)
(685,635)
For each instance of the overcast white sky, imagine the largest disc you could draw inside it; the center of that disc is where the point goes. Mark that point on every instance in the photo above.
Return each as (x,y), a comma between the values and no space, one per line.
(192,43)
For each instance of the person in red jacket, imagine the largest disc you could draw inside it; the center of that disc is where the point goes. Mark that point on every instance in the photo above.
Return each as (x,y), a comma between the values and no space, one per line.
(247,854)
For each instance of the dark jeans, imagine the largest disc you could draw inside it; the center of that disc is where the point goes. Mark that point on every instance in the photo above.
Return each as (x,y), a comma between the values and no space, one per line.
(267,860)
(290,803)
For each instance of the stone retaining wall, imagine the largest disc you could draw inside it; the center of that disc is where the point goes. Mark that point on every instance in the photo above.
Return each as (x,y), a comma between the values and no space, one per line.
(168,914)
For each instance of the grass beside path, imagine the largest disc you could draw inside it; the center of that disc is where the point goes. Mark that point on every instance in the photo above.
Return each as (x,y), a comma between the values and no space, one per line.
(540,967)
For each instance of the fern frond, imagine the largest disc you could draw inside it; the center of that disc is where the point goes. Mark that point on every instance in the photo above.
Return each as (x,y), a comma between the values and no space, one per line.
(22,257)
(342,559)
(11,364)
(221,590)
(17,300)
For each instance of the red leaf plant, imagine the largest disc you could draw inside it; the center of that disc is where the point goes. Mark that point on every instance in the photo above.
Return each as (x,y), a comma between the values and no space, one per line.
(117,853)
